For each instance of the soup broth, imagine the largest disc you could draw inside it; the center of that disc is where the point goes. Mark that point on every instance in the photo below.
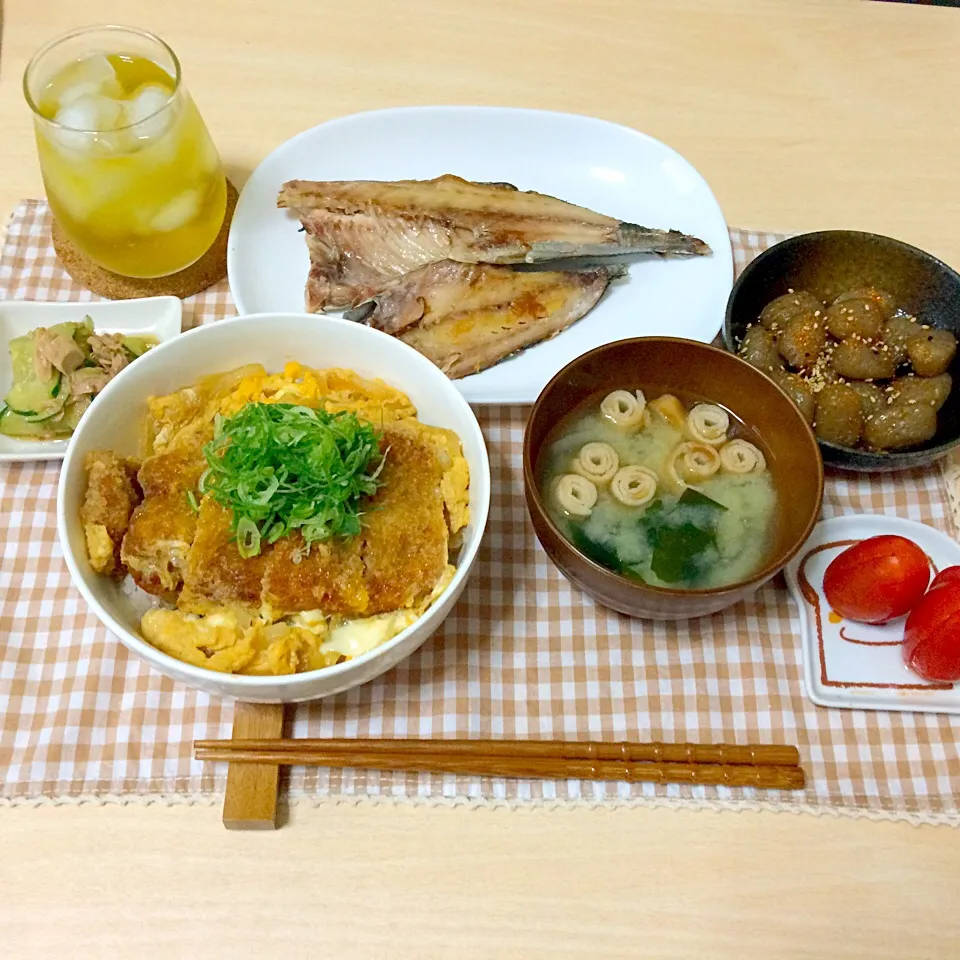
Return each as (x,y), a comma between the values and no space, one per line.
(674,492)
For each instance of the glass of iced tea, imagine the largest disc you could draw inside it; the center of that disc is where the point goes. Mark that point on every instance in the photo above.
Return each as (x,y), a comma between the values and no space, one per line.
(130,171)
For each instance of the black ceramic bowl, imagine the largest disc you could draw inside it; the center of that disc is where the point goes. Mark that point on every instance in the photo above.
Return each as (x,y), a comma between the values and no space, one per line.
(826,264)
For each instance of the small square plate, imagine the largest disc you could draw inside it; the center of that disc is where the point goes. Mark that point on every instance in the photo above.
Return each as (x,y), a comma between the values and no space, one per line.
(855,665)
(159,316)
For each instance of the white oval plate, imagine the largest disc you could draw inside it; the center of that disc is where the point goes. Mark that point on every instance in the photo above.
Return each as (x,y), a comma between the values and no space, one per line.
(590,162)
(159,316)
(854,665)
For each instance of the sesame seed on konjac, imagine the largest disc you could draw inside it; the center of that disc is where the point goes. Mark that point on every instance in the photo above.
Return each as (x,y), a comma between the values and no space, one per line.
(859,341)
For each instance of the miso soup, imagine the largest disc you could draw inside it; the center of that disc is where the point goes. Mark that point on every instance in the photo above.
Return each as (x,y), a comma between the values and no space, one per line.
(674,492)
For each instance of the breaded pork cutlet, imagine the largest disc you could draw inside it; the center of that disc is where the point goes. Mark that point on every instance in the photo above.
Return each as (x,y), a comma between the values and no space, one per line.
(163,525)
(214,570)
(394,563)
(404,528)
(112,494)
(330,577)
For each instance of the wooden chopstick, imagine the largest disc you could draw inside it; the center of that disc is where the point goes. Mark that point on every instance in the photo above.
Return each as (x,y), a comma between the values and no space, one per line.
(752,765)
(731,775)
(758,755)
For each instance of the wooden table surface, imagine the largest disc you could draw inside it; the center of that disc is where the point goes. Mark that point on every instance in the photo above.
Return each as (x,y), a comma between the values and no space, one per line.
(802,115)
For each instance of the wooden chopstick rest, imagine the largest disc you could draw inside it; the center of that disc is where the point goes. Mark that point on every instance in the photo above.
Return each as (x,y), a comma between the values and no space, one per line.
(250,801)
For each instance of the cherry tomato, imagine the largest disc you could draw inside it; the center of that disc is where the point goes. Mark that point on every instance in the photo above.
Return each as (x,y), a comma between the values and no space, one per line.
(877,580)
(946,576)
(931,637)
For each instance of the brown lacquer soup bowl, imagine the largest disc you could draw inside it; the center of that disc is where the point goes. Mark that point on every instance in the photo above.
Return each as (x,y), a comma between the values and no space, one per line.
(694,370)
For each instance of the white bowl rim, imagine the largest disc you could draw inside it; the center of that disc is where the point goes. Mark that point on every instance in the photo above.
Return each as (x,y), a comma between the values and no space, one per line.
(187,671)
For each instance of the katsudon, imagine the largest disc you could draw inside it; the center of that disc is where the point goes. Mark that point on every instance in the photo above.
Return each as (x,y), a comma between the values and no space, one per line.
(280,523)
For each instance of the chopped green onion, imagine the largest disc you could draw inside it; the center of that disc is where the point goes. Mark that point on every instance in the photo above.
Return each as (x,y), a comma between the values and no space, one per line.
(248,537)
(280,467)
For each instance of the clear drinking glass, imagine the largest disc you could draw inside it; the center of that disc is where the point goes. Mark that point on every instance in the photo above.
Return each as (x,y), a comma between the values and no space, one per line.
(130,171)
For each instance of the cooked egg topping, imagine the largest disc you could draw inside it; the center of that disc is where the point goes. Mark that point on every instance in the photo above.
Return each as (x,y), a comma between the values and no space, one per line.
(231,640)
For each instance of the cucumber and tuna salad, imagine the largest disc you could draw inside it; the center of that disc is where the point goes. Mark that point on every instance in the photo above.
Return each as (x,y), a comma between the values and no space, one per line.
(57,371)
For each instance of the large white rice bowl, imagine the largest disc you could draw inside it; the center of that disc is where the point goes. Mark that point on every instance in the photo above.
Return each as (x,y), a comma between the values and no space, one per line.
(114,422)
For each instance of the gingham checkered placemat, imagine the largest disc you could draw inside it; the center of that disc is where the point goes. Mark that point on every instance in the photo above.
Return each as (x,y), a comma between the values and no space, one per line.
(524,654)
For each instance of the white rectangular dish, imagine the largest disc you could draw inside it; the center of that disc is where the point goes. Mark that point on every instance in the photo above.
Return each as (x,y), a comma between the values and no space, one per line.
(160,317)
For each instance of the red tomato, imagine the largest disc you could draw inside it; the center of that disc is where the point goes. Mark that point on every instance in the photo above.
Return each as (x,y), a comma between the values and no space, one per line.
(877,580)
(931,637)
(946,576)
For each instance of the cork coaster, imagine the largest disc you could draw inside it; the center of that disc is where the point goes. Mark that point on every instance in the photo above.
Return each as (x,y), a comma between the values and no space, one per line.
(209,269)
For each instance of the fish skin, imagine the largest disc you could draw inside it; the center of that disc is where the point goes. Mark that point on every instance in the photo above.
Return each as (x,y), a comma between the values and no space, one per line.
(630,238)
(446,197)
(439,290)
(361,232)
(491,324)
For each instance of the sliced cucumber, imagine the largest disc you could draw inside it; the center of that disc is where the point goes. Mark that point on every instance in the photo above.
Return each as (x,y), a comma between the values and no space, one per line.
(31,397)
(138,346)
(81,336)
(13,425)
(52,407)
(68,329)
(21,356)
(69,418)
(54,422)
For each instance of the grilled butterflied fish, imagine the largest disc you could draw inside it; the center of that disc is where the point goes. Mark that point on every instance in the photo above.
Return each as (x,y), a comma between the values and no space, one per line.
(466,317)
(362,234)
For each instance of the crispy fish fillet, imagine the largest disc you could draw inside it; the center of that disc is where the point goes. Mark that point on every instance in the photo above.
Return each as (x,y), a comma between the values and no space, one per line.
(361,232)
(111,496)
(467,327)
(163,525)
